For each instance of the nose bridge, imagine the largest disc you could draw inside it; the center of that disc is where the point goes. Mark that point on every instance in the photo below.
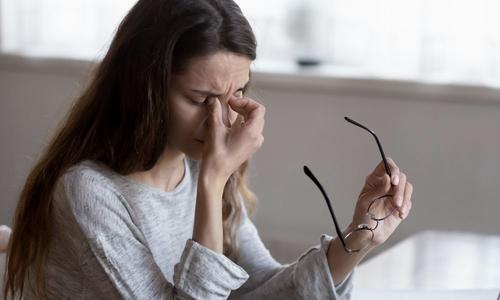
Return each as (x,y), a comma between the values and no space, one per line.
(225,110)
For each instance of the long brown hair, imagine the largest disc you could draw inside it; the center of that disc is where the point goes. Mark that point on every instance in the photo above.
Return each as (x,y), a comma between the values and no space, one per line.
(117,118)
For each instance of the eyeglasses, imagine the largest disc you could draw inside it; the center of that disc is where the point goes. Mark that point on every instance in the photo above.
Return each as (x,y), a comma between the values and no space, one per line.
(362,235)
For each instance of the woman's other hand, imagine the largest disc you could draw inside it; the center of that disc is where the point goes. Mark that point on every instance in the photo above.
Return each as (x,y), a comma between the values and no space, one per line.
(378,184)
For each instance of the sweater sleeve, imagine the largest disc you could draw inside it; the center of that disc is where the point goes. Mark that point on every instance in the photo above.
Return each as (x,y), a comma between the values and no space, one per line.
(117,263)
(309,277)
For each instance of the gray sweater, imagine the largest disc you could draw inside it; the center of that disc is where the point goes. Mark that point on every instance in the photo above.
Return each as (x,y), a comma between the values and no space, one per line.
(117,238)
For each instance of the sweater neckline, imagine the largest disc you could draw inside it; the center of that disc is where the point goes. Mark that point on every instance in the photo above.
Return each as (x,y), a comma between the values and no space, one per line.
(182,184)
(149,188)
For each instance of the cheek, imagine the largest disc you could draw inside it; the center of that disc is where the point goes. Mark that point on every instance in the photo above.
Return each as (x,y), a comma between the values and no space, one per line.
(185,119)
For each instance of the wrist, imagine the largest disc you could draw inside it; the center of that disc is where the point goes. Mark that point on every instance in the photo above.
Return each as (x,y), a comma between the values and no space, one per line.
(210,169)
(211,179)
(360,238)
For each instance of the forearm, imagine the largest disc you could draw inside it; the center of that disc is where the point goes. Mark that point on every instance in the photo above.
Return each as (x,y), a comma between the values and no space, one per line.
(208,230)
(342,263)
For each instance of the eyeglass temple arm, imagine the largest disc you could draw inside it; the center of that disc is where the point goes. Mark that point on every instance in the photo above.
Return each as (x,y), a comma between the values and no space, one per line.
(376,139)
(337,227)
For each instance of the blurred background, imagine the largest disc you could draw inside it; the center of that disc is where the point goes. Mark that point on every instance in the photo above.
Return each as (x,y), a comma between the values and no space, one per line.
(424,75)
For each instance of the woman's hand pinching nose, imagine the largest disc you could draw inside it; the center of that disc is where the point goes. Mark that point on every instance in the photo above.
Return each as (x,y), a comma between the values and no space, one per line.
(227,148)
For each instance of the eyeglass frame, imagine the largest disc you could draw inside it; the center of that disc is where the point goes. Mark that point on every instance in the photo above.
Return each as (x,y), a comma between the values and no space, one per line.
(359,227)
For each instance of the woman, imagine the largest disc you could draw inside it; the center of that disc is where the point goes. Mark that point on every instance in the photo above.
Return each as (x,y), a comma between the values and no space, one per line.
(142,194)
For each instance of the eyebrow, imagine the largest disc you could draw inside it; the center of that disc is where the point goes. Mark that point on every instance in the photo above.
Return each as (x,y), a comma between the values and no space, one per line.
(212,94)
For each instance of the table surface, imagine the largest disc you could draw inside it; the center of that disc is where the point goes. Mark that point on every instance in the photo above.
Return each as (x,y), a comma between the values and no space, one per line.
(435,260)
(430,260)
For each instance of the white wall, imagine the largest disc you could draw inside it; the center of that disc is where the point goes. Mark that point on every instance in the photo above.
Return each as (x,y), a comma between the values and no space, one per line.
(444,137)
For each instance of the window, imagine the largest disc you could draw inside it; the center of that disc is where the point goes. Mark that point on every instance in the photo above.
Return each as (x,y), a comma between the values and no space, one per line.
(429,40)
(60,28)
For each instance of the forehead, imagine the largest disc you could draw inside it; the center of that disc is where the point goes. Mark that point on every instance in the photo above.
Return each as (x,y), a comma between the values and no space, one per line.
(219,71)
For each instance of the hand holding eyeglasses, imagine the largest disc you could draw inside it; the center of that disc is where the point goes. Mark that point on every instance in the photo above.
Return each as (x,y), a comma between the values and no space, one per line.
(384,201)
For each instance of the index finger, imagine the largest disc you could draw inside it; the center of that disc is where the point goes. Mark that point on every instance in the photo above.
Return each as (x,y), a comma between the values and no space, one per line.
(249,108)
(393,168)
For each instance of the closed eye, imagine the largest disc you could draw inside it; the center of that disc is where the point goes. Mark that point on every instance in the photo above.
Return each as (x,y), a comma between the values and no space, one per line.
(238,94)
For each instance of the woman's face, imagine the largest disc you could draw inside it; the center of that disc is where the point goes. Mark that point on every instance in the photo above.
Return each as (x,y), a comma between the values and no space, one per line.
(223,75)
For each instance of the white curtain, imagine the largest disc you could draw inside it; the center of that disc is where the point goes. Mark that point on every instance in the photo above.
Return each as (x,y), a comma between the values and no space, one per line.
(426,40)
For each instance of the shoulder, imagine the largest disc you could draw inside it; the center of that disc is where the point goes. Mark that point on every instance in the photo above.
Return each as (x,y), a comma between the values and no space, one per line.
(88,193)
(88,186)
(88,176)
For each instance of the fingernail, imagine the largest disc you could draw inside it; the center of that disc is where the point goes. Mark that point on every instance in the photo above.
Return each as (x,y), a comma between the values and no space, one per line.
(395,179)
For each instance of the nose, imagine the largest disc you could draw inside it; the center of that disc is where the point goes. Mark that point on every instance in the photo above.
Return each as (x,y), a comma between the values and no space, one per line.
(228,115)
(225,113)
